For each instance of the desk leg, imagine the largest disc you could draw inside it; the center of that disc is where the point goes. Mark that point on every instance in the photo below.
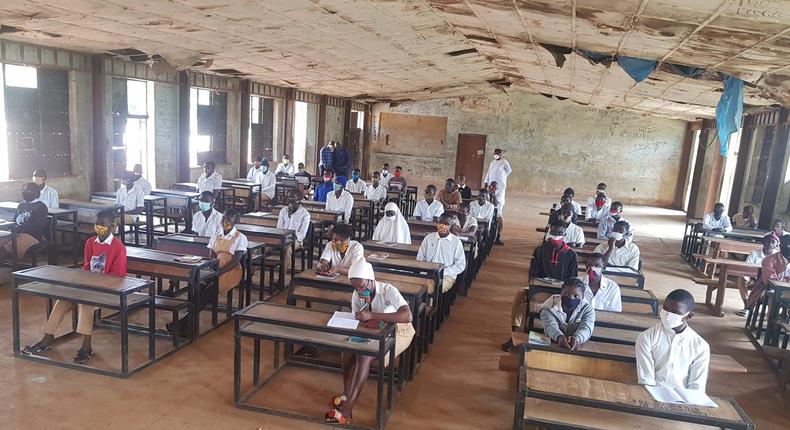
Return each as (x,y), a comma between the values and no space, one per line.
(124,336)
(152,322)
(187,217)
(15,314)
(53,243)
(248,286)
(380,388)
(75,239)
(149,224)
(720,293)
(236,362)
(772,314)
(193,297)
(282,267)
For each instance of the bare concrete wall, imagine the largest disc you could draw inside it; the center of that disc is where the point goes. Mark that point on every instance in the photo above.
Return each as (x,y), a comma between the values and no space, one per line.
(334,124)
(166,133)
(552,145)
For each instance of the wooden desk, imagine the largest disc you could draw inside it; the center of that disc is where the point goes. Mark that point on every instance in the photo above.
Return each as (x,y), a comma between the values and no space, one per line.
(780,294)
(634,300)
(275,239)
(54,215)
(94,289)
(313,238)
(250,191)
(149,204)
(181,202)
(292,325)
(365,209)
(4,234)
(391,248)
(728,268)
(87,211)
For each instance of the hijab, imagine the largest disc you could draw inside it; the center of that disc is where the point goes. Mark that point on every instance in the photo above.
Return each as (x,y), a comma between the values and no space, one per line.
(396,230)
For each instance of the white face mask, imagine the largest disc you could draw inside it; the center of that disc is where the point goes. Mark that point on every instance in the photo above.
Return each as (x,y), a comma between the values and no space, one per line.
(264,169)
(617,236)
(600,191)
(497,156)
(596,270)
(553,237)
(391,217)
(384,171)
(670,320)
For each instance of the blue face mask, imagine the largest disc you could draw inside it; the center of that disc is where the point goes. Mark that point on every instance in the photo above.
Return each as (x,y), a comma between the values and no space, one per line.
(204,206)
(354,176)
(570,303)
(336,187)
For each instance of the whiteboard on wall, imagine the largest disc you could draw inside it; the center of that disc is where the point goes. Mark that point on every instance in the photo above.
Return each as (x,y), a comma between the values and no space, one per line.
(421,135)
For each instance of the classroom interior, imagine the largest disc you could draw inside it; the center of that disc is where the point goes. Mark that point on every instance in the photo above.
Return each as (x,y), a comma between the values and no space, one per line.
(574,92)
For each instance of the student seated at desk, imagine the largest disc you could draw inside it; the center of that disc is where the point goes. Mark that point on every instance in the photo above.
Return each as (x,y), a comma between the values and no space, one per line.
(717,221)
(397,182)
(598,205)
(620,249)
(670,353)
(255,170)
(268,181)
(466,225)
(570,194)
(376,191)
(778,227)
(49,196)
(141,182)
(449,197)
(30,223)
(770,247)
(285,168)
(340,253)
(599,291)
(302,172)
(775,267)
(371,302)
(481,208)
(209,180)
(392,228)
(356,185)
(446,249)
(340,200)
(132,198)
(553,259)
(207,221)
(606,222)
(745,219)
(428,209)
(385,175)
(463,189)
(325,187)
(574,235)
(566,318)
(103,253)
(228,245)
(297,218)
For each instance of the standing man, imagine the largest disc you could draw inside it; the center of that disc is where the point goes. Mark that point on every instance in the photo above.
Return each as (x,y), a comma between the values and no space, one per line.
(327,155)
(498,171)
(341,160)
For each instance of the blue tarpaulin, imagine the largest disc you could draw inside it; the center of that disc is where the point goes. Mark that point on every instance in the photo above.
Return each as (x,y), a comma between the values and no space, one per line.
(637,68)
(687,71)
(595,57)
(729,111)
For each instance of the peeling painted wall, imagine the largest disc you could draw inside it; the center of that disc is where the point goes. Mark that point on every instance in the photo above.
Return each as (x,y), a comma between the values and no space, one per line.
(334,124)
(552,145)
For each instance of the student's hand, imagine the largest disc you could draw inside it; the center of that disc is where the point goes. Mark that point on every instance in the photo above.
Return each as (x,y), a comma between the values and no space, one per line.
(363,316)
(611,242)
(718,230)
(573,343)
(562,342)
(341,271)
(321,268)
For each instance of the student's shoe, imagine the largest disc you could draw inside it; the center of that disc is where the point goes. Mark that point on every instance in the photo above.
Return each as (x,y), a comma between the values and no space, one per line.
(83,356)
(167,293)
(499,242)
(742,312)
(508,346)
(36,348)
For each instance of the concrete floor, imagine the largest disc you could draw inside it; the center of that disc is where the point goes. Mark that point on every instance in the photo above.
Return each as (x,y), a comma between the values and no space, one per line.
(458,387)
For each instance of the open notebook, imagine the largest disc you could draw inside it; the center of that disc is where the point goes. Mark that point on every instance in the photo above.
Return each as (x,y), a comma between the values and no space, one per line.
(681,395)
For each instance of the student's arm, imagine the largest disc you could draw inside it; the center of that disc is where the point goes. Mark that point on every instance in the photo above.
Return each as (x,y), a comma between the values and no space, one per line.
(237,256)
(573,266)
(281,218)
(617,301)
(421,252)
(267,185)
(304,227)
(533,267)
(551,327)
(608,252)
(645,365)
(727,224)
(698,370)
(584,330)
(633,262)
(459,261)
(117,266)
(55,198)
(87,253)
(402,315)
(602,230)
(417,211)
(326,258)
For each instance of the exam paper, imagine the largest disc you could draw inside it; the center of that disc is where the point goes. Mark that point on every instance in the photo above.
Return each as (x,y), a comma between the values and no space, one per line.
(343,320)
(680,395)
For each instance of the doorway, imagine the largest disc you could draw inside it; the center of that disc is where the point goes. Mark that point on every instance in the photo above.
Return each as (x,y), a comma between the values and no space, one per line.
(469,158)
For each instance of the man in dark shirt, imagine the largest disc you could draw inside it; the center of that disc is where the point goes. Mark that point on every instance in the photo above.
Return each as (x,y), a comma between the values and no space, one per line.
(552,259)
(31,222)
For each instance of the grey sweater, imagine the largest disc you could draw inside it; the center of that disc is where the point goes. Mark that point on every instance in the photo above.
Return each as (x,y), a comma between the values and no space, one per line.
(556,324)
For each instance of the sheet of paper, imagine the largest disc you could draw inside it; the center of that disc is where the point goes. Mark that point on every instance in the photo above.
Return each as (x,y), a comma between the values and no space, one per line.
(539,339)
(387,243)
(377,256)
(680,395)
(343,320)
(259,214)
(328,277)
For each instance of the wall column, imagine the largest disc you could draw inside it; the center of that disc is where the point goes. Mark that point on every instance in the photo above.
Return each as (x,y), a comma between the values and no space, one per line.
(775,170)
(183,127)
(244,128)
(100,144)
(321,138)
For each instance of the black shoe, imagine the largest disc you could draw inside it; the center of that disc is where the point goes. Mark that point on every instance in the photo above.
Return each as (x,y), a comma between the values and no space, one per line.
(508,346)
(499,242)
(83,356)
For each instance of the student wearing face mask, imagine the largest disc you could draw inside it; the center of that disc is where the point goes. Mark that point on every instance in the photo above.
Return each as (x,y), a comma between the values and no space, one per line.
(296,218)
(448,196)
(340,200)
(498,171)
(465,225)
(141,182)
(356,185)
(132,198)
(286,167)
(31,223)
(301,172)
(566,318)
(606,223)
(392,228)
(574,235)
(717,221)
(428,209)
(207,221)
(770,246)
(670,353)
(376,191)
(268,181)
(599,291)
(481,208)
(228,246)
(326,187)
(463,189)
(47,195)
(444,248)
(340,253)
(598,205)
(553,259)
(372,302)
(103,253)
(255,170)
(775,267)
(620,250)
(397,182)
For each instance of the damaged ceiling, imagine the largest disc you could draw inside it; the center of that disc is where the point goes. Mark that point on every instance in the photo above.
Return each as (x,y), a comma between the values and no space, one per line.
(395,50)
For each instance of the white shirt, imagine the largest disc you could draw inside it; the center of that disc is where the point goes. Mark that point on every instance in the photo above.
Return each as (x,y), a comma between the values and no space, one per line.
(666,358)
(606,225)
(299,221)
(213,182)
(355,252)
(253,172)
(498,171)
(287,169)
(573,234)
(577,208)
(756,257)
(448,251)
(387,300)
(144,185)
(709,222)
(375,193)
(240,244)
(385,180)
(268,182)
(483,212)
(468,224)
(207,227)
(424,211)
(593,212)
(626,256)
(49,197)
(130,199)
(344,204)
(608,296)
(356,187)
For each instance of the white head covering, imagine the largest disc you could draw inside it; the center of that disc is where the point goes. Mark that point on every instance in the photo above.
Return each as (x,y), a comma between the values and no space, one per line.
(396,230)
(361,269)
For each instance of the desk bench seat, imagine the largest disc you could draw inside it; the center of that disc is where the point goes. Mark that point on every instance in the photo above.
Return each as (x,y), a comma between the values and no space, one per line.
(95,298)
(308,336)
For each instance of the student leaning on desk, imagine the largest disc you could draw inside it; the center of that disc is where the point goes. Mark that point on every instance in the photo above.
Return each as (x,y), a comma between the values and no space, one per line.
(566,318)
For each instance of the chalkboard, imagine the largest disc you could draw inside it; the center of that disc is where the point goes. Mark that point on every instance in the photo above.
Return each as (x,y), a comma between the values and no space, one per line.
(420,135)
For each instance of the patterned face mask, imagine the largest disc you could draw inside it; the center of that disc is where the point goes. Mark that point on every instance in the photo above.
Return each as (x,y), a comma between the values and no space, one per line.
(227,226)
(101,230)
(443,229)
(340,247)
